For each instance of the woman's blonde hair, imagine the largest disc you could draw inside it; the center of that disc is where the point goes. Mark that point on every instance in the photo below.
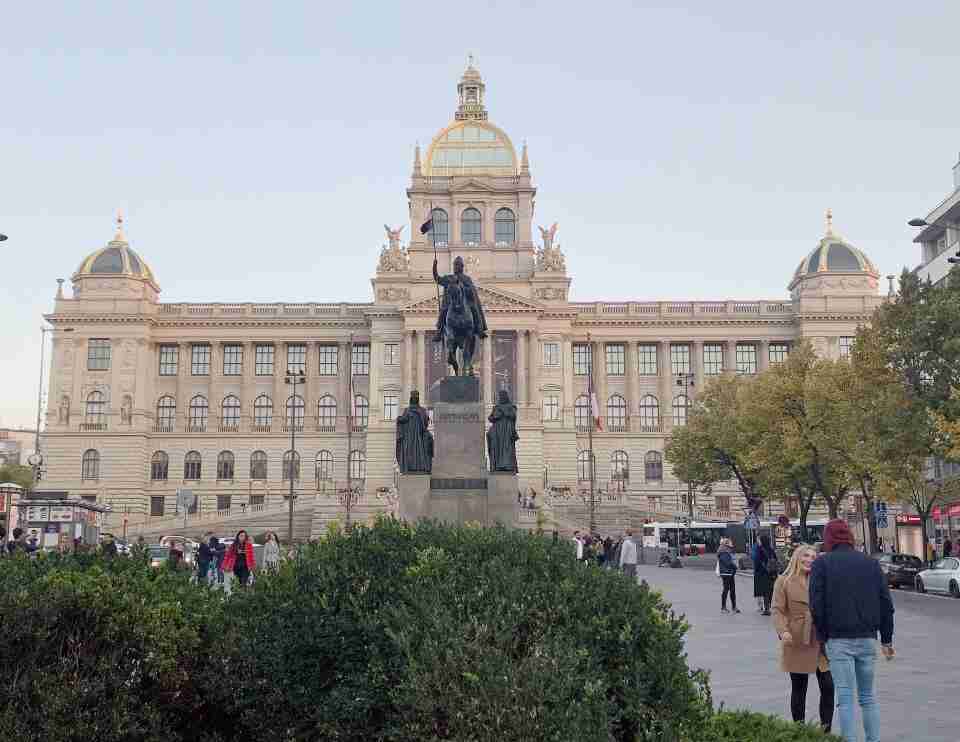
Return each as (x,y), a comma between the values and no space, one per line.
(793,567)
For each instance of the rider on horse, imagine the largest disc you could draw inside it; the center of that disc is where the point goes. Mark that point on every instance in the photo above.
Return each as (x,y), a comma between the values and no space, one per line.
(470,296)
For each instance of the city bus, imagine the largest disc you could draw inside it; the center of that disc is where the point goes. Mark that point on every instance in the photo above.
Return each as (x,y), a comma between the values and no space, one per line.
(703,537)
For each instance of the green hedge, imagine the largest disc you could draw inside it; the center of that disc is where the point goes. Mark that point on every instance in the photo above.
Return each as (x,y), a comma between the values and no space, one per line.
(743,726)
(388,633)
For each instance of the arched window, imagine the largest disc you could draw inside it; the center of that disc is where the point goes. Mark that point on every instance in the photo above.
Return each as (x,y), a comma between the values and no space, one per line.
(649,414)
(291,463)
(159,466)
(262,413)
(505,227)
(191,465)
(470,223)
(616,413)
(358,466)
(295,409)
(225,465)
(95,415)
(327,413)
(361,412)
(230,413)
(583,466)
(90,465)
(653,466)
(619,466)
(258,465)
(324,466)
(441,227)
(680,405)
(582,413)
(166,414)
(199,412)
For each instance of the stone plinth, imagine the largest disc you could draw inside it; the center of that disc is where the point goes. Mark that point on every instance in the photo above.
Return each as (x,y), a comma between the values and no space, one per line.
(502,488)
(414,491)
(458,434)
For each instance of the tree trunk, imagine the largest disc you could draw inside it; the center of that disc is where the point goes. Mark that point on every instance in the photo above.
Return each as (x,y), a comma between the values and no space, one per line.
(833,507)
(871,525)
(804,510)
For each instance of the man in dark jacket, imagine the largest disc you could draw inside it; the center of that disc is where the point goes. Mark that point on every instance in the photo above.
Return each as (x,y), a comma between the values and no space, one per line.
(850,603)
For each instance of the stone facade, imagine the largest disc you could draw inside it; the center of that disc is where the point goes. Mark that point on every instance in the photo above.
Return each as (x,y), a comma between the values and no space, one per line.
(136,382)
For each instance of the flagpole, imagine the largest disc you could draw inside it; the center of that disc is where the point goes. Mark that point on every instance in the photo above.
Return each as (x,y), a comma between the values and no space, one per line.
(593,483)
(433,239)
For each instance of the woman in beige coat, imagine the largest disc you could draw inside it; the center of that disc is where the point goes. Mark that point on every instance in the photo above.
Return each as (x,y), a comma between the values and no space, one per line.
(800,651)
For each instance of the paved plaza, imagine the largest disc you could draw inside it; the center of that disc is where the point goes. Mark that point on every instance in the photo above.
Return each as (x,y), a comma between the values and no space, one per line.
(917,690)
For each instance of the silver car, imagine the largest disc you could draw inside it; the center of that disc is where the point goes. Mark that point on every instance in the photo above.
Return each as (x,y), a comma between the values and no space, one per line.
(944,577)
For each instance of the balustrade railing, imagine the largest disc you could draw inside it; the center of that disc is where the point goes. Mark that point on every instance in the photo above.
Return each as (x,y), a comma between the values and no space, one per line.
(92,427)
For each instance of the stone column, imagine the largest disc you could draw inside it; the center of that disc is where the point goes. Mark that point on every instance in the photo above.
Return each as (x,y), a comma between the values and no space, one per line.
(487,386)
(699,379)
(666,386)
(280,388)
(422,360)
(763,355)
(569,394)
(375,380)
(407,383)
(521,367)
(598,357)
(534,359)
(183,380)
(633,381)
(730,357)
(248,390)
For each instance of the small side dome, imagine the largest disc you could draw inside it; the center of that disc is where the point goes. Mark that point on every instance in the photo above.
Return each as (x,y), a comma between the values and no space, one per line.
(116,259)
(833,254)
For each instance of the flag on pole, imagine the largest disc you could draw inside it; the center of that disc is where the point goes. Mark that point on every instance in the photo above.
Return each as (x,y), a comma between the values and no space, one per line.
(427,225)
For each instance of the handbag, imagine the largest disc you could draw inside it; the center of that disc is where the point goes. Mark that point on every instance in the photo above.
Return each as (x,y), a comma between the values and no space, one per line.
(717,569)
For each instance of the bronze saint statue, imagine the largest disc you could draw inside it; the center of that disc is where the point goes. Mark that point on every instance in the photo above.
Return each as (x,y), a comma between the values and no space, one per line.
(461,320)
(502,437)
(414,448)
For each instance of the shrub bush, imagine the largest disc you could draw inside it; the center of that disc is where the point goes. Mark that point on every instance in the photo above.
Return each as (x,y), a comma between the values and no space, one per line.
(744,726)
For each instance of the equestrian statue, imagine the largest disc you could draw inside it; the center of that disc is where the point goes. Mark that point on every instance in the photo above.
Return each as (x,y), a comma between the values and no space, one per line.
(461,319)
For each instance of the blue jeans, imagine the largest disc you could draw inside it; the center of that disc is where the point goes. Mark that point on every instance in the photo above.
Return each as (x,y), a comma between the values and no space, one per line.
(852,663)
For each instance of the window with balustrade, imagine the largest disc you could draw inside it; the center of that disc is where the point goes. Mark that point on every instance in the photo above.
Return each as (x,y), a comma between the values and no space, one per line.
(328,360)
(358,466)
(291,466)
(258,465)
(712,359)
(722,503)
(324,466)
(551,407)
(582,413)
(551,354)
(224,502)
(296,358)
(649,414)
(191,466)
(679,359)
(230,413)
(470,227)
(584,470)
(199,413)
(98,354)
(327,413)
(619,466)
(225,466)
(440,234)
(90,465)
(166,414)
(361,412)
(295,410)
(505,227)
(746,358)
(263,411)
(653,466)
(647,359)
(360,360)
(263,365)
(846,346)
(681,404)
(616,359)
(582,358)
(778,352)
(95,415)
(232,359)
(616,414)
(169,360)
(159,466)
(200,360)
(391,405)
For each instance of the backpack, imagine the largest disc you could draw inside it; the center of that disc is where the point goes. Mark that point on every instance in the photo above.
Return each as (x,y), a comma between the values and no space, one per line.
(772,564)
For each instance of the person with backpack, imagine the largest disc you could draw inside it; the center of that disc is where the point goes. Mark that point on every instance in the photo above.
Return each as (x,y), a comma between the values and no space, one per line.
(727,572)
(766,569)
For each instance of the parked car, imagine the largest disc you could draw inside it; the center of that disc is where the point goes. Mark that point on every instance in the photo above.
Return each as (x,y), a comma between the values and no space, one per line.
(901,569)
(944,577)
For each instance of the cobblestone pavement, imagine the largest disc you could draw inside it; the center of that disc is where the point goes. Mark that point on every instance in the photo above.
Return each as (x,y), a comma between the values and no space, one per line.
(917,690)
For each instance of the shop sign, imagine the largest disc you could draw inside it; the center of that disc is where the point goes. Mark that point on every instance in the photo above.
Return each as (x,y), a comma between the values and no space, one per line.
(61,514)
(38,513)
(905,519)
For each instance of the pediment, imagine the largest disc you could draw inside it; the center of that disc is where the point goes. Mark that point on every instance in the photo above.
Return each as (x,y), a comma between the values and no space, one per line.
(472,184)
(493,300)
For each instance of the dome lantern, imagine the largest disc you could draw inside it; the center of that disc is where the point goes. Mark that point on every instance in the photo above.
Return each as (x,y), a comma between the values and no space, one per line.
(123,269)
(835,264)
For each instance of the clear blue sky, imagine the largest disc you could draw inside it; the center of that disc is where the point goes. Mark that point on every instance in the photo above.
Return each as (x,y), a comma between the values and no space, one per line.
(257,148)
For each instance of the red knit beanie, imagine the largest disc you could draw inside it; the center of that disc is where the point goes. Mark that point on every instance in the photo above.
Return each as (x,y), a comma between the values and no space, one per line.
(836,532)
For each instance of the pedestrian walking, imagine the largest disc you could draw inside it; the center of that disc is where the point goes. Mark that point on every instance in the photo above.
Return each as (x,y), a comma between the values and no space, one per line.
(947,548)
(800,651)
(175,555)
(578,544)
(727,572)
(109,547)
(765,571)
(239,558)
(206,557)
(220,552)
(271,552)
(850,603)
(628,555)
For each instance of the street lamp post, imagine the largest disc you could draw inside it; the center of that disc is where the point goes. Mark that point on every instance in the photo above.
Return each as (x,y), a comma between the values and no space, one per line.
(918,222)
(293,378)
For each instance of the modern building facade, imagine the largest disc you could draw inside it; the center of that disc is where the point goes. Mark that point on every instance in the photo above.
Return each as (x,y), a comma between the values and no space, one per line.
(939,239)
(147,397)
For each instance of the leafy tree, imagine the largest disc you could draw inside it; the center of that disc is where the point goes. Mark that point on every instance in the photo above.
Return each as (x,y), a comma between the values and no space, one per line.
(22,475)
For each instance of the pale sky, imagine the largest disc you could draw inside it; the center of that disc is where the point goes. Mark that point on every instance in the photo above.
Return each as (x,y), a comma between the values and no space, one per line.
(688,150)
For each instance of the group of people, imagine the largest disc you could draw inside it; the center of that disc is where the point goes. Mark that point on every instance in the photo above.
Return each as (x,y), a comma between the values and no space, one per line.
(828,608)
(527,501)
(624,553)
(215,559)
(18,544)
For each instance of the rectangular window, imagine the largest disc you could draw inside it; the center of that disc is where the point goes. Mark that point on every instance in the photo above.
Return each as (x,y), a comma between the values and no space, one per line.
(232,360)
(722,502)
(746,358)
(328,360)
(296,358)
(778,352)
(98,354)
(223,502)
(391,354)
(679,359)
(647,359)
(712,359)
(264,364)
(391,406)
(551,407)
(156,506)
(846,345)
(581,359)
(615,359)
(169,358)
(551,354)
(200,363)
(360,361)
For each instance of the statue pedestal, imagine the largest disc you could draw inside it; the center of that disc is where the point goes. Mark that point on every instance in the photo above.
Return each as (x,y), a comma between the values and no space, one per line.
(502,489)
(414,494)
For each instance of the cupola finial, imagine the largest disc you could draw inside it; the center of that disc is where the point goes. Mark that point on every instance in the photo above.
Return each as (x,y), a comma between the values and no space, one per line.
(119,236)
(829,223)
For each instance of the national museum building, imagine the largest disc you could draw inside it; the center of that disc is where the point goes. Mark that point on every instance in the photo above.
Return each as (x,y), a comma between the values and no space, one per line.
(146,397)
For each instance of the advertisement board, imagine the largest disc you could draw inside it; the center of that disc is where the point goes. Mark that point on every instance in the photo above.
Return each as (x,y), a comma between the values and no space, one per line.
(38,513)
(60,514)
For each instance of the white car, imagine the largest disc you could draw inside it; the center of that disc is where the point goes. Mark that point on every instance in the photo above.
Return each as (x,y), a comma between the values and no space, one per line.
(943,578)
